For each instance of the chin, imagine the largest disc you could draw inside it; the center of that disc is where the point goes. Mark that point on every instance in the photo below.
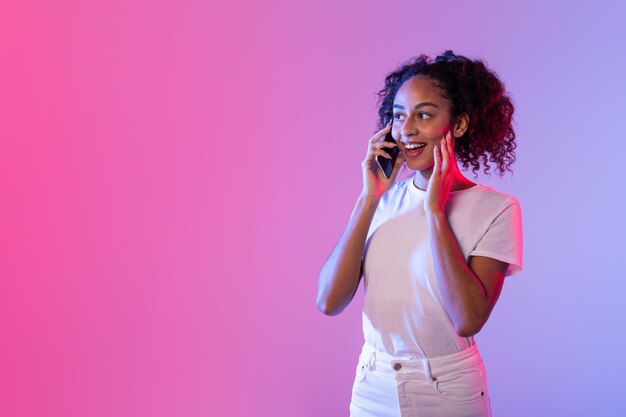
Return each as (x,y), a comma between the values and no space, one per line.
(417,165)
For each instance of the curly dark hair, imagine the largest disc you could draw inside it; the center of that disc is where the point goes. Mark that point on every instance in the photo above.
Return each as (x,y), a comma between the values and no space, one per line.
(473,89)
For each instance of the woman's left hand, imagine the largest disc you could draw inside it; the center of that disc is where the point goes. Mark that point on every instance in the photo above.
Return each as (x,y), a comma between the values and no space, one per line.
(442,178)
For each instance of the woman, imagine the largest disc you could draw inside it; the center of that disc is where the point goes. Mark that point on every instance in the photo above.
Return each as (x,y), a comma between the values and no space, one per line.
(433,250)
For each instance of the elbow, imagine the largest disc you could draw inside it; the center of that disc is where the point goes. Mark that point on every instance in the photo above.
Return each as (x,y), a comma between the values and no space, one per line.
(327,308)
(328,303)
(470,322)
(331,299)
(468,328)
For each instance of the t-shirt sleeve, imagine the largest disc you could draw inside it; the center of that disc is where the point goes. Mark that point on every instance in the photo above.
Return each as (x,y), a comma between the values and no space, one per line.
(503,238)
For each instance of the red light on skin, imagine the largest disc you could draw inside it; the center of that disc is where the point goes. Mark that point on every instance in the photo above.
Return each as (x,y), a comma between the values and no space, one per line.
(444,131)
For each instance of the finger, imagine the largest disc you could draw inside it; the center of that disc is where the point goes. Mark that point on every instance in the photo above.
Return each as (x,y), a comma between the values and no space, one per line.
(380,134)
(451,144)
(445,166)
(385,144)
(451,152)
(436,158)
(379,145)
(379,152)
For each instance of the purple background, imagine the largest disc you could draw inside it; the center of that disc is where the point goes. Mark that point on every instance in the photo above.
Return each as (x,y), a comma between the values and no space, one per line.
(174,175)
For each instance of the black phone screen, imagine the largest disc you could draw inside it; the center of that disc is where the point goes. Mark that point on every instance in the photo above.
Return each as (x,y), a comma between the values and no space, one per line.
(386,164)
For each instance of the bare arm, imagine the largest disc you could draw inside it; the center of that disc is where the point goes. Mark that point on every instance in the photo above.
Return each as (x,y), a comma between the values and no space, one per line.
(341,273)
(469,292)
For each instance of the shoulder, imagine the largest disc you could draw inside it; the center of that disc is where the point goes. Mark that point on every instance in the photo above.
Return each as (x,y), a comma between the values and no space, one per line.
(480,204)
(484,196)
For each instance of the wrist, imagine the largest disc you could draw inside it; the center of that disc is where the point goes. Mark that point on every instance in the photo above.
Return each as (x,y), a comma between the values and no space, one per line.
(434,214)
(368,199)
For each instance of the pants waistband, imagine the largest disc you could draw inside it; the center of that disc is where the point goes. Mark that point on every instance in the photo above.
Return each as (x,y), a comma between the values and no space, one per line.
(371,358)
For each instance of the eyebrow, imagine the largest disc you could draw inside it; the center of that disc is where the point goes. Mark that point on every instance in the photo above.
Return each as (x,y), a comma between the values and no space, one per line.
(417,106)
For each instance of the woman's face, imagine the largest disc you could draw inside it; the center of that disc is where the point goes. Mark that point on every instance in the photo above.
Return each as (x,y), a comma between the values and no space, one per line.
(421,116)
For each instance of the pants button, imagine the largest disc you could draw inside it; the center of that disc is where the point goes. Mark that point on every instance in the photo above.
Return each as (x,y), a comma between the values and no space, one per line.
(434,378)
(397,366)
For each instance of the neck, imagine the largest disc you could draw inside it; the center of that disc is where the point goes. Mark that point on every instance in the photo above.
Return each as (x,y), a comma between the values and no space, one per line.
(421,179)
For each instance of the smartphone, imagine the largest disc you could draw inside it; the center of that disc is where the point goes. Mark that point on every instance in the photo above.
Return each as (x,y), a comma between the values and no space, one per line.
(386,164)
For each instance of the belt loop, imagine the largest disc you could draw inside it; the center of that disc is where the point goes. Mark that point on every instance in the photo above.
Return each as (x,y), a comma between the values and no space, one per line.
(426,364)
(367,366)
(371,363)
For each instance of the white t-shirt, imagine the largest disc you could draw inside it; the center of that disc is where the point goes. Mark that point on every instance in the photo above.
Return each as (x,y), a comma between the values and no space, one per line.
(404,312)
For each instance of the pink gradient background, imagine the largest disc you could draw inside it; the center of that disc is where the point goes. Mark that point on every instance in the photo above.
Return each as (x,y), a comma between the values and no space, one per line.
(174,175)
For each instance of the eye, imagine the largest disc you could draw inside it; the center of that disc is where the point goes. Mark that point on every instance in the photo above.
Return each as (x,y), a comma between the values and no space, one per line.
(424,115)
(397,116)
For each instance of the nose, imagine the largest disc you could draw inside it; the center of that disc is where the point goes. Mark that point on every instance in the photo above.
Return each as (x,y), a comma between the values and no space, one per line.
(408,129)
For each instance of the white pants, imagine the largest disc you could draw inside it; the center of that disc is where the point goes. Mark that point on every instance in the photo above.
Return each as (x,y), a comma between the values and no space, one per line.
(452,385)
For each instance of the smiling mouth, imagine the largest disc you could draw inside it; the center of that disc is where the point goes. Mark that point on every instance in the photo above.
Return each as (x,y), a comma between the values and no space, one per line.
(413,146)
(413,150)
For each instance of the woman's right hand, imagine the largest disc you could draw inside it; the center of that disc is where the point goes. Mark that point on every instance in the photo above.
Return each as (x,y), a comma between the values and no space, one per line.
(374,182)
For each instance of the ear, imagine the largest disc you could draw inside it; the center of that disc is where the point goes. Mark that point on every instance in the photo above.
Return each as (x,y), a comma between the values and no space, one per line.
(461,125)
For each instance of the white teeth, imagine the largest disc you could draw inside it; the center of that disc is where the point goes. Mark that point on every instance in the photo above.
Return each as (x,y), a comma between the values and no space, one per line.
(414,145)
